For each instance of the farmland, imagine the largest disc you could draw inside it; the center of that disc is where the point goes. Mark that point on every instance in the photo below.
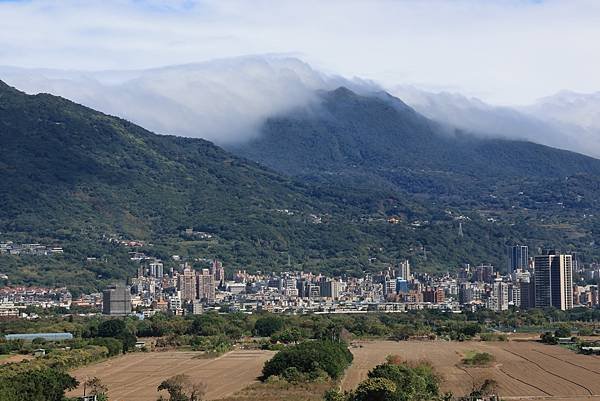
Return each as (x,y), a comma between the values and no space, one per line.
(522,370)
(280,391)
(134,377)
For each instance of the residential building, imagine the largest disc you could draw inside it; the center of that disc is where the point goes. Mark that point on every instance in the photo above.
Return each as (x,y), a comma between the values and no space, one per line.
(187,284)
(330,289)
(116,300)
(498,300)
(219,272)
(527,294)
(205,285)
(554,281)
(433,295)
(484,273)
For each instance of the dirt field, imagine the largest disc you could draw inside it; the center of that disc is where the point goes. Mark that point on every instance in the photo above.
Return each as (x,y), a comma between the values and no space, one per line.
(134,377)
(523,370)
(281,391)
(13,358)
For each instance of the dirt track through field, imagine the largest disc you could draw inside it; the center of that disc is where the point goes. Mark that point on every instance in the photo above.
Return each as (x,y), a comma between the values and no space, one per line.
(522,370)
(135,377)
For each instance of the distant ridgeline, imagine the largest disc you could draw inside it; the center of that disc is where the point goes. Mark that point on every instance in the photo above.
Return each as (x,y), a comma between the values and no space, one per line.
(362,182)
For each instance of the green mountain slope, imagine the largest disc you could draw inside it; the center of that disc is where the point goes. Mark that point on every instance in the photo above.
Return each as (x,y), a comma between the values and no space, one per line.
(379,134)
(549,196)
(73,177)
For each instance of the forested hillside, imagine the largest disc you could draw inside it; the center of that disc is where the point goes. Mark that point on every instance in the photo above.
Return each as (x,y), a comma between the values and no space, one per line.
(74,177)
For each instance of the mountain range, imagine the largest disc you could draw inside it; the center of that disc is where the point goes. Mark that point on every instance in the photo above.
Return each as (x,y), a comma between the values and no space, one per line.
(75,177)
(345,183)
(377,141)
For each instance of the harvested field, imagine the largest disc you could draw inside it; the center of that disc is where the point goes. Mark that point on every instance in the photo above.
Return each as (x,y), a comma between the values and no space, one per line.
(522,370)
(280,391)
(135,377)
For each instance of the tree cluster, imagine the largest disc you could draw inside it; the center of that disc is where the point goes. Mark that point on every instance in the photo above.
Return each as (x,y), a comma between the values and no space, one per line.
(309,359)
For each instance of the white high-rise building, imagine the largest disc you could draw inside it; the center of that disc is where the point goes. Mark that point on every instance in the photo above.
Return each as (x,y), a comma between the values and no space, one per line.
(499,299)
(404,270)
(554,281)
(175,303)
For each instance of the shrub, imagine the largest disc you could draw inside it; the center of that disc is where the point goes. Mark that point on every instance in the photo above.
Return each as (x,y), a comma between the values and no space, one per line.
(548,338)
(586,331)
(414,382)
(478,358)
(396,381)
(562,331)
(6,347)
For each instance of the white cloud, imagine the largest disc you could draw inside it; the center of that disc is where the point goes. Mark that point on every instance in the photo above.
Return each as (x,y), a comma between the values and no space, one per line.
(503,51)
(506,52)
(567,120)
(224,101)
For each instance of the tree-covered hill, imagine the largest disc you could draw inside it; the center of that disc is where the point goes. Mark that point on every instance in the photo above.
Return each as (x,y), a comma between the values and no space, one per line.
(549,196)
(377,135)
(64,166)
(73,177)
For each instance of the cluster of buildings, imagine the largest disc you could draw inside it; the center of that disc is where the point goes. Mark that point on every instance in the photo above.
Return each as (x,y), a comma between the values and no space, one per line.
(15,300)
(542,281)
(177,292)
(532,282)
(10,248)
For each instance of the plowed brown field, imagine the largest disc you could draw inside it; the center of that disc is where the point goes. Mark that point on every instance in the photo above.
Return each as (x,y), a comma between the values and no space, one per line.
(522,370)
(134,377)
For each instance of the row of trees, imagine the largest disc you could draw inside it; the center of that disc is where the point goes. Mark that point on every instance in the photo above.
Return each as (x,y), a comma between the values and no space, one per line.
(293,328)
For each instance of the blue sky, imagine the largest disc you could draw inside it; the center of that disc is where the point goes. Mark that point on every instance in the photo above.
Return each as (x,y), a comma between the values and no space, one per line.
(505,52)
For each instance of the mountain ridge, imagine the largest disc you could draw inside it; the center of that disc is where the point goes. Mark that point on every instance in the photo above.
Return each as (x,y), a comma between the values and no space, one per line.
(73,176)
(387,125)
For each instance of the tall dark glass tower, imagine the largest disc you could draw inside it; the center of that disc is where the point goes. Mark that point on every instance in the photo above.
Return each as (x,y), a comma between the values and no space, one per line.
(518,257)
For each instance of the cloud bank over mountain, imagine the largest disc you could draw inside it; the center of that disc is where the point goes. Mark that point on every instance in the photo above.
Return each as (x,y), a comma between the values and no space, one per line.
(224,101)
(227,100)
(566,120)
(502,51)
